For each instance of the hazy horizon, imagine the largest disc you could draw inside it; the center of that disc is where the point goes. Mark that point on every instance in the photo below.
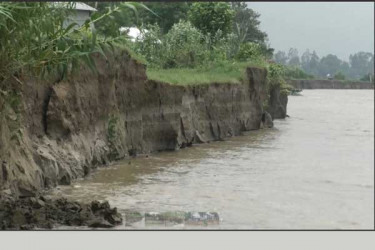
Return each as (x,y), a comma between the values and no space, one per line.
(340,28)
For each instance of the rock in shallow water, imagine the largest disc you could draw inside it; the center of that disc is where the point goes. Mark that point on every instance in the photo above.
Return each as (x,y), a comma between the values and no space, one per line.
(267,120)
(39,212)
(100,223)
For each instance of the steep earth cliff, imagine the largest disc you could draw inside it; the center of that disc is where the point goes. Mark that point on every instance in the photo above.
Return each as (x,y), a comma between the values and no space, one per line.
(278,100)
(61,129)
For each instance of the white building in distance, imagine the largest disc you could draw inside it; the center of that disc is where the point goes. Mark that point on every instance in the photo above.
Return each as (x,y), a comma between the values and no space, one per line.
(80,14)
(135,34)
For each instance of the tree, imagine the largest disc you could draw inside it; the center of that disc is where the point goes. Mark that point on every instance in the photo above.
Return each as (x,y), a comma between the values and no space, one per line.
(267,51)
(305,60)
(314,64)
(249,51)
(329,64)
(310,62)
(281,57)
(367,78)
(209,17)
(109,26)
(246,24)
(246,28)
(167,14)
(345,69)
(361,63)
(339,76)
(293,57)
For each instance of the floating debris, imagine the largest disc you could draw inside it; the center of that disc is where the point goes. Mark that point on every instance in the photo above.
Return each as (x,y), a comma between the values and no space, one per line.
(132,217)
(171,217)
(178,217)
(202,218)
(295,91)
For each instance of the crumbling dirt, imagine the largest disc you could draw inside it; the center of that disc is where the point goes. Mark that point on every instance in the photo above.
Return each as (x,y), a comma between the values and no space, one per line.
(41,213)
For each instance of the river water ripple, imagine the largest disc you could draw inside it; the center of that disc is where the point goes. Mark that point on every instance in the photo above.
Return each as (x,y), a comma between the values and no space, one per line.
(313,170)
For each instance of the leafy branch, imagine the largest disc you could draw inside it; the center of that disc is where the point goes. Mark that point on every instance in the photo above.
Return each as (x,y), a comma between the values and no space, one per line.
(34,36)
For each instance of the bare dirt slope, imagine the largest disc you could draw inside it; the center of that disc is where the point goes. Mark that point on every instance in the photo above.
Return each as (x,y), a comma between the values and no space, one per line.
(63,129)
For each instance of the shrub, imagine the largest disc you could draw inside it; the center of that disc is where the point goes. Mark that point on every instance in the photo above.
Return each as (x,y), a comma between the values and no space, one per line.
(184,46)
(217,48)
(275,71)
(248,51)
(367,78)
(339,76)
(150,45)
(296,73)
(209,17)
(233,45)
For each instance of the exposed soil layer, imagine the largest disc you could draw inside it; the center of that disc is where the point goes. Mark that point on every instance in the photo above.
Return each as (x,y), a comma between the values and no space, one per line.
(62,129)
(277,103)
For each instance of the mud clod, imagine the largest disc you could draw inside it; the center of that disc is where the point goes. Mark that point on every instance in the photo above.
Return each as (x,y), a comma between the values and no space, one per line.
(39,212)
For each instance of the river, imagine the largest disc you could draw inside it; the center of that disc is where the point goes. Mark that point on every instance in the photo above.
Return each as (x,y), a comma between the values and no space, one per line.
(313,170)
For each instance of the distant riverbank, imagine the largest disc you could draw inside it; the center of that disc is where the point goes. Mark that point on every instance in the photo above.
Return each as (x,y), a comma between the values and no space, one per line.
(330,84)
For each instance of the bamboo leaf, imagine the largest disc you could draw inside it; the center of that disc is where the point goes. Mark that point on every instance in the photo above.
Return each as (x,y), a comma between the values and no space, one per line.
(69,28)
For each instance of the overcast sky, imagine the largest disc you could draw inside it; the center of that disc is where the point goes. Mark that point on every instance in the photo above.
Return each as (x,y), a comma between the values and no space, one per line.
(340,28)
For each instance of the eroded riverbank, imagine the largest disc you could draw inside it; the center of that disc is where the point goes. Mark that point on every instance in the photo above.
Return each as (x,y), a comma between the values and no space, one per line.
(62,129)
(313,170)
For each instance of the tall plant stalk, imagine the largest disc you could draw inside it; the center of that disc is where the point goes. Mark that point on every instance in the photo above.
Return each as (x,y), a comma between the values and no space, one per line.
(33,36)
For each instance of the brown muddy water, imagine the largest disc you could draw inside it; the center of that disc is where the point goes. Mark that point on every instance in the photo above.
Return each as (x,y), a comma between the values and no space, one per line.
(313,170)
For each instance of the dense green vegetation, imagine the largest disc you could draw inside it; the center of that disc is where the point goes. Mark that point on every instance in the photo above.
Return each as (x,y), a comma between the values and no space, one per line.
(181,42)
(198,40)
(210,17)
(199,43)
(187,43)
(34,37)
(214,42)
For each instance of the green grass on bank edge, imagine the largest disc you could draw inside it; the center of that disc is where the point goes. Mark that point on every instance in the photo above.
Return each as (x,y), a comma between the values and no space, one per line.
(228,72)
(222,72)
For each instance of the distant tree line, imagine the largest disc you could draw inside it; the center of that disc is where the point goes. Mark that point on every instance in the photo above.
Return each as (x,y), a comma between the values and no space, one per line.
(360,65)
